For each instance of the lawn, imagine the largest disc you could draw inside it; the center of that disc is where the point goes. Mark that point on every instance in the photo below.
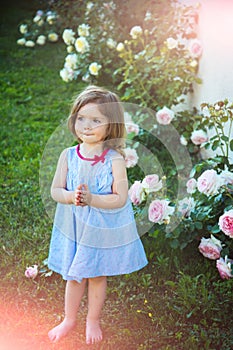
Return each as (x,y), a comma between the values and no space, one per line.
(176,302)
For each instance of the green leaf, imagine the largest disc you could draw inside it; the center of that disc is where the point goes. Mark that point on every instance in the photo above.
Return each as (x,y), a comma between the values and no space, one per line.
(225,138)
(174,244)
(224,119)
(215,229)
(215,145)
(231,145)
(198,225)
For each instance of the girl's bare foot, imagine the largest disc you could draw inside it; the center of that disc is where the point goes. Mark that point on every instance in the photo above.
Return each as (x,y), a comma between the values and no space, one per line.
(61,330)
(93,332)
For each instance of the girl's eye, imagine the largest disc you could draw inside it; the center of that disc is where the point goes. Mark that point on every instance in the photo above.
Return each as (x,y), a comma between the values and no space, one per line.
(97,121)
(80,118)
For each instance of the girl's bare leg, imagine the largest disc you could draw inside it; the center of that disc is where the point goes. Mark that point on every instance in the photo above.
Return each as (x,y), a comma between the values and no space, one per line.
(73,295)
(96,297)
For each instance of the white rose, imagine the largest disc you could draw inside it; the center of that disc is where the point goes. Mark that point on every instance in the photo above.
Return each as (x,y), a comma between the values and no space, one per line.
(185,206)
(71,61)
(51,19)
(183,141)
(227,177)
(120,47)
(89,6)
(68,36)
(135,32)
(86,78)
(67,74)
(41,40)
(21,41)
(94,68)
(83,30)
(193,63)
(40,23)
(171,43)
(30,43)
(111,43)
(81,45)
(70,48)
(148,16)
(23,28)
(53,37)
(36,19)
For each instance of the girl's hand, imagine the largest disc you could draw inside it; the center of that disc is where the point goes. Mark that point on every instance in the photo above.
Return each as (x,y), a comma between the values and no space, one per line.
(82,195)
(77,196)
(85,195)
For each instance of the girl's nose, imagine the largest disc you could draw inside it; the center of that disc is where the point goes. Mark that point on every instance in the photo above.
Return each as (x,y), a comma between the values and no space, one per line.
(87,124)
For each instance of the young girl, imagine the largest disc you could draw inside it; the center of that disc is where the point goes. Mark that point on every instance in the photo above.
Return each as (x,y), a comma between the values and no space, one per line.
(94,233)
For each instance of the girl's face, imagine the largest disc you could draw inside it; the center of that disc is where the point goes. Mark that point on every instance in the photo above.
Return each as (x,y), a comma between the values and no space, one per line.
(91,126)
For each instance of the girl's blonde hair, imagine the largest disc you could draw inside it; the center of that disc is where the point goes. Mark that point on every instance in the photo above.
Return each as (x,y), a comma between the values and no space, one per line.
(110,106)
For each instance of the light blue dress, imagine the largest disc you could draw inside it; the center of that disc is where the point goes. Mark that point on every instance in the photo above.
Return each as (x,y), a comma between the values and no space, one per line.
(88,242)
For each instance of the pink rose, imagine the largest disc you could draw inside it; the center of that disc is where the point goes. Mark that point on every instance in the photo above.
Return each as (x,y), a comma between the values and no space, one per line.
(226,223)
(131,157)
(195,48)
(224,267)
(151,183)
(164,116)
(209,182)
(159,211)
(132,127)
(210,248)
(185,206)
(191,185)
(136,193)
(31,271)
(198,137)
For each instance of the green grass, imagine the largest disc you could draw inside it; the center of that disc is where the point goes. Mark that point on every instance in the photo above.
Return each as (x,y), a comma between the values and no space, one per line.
(176,302)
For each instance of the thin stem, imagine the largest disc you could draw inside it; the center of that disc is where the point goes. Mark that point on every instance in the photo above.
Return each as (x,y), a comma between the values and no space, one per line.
(229,134)
(217,132)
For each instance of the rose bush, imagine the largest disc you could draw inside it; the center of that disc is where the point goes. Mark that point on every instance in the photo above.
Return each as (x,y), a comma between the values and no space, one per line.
(158,59)
(44,27)
(92,44)
(205,213)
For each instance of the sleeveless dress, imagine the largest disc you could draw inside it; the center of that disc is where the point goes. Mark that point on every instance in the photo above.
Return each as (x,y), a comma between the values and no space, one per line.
(89,242)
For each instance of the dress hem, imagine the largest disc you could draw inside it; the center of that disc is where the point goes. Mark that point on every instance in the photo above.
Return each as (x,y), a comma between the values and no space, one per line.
(79,279)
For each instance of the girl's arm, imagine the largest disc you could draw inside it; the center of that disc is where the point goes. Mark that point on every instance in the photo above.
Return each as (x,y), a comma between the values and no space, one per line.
(58,189)
(119,188)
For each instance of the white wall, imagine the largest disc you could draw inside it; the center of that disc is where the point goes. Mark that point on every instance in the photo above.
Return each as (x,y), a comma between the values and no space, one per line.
(215,31)
(216,63)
